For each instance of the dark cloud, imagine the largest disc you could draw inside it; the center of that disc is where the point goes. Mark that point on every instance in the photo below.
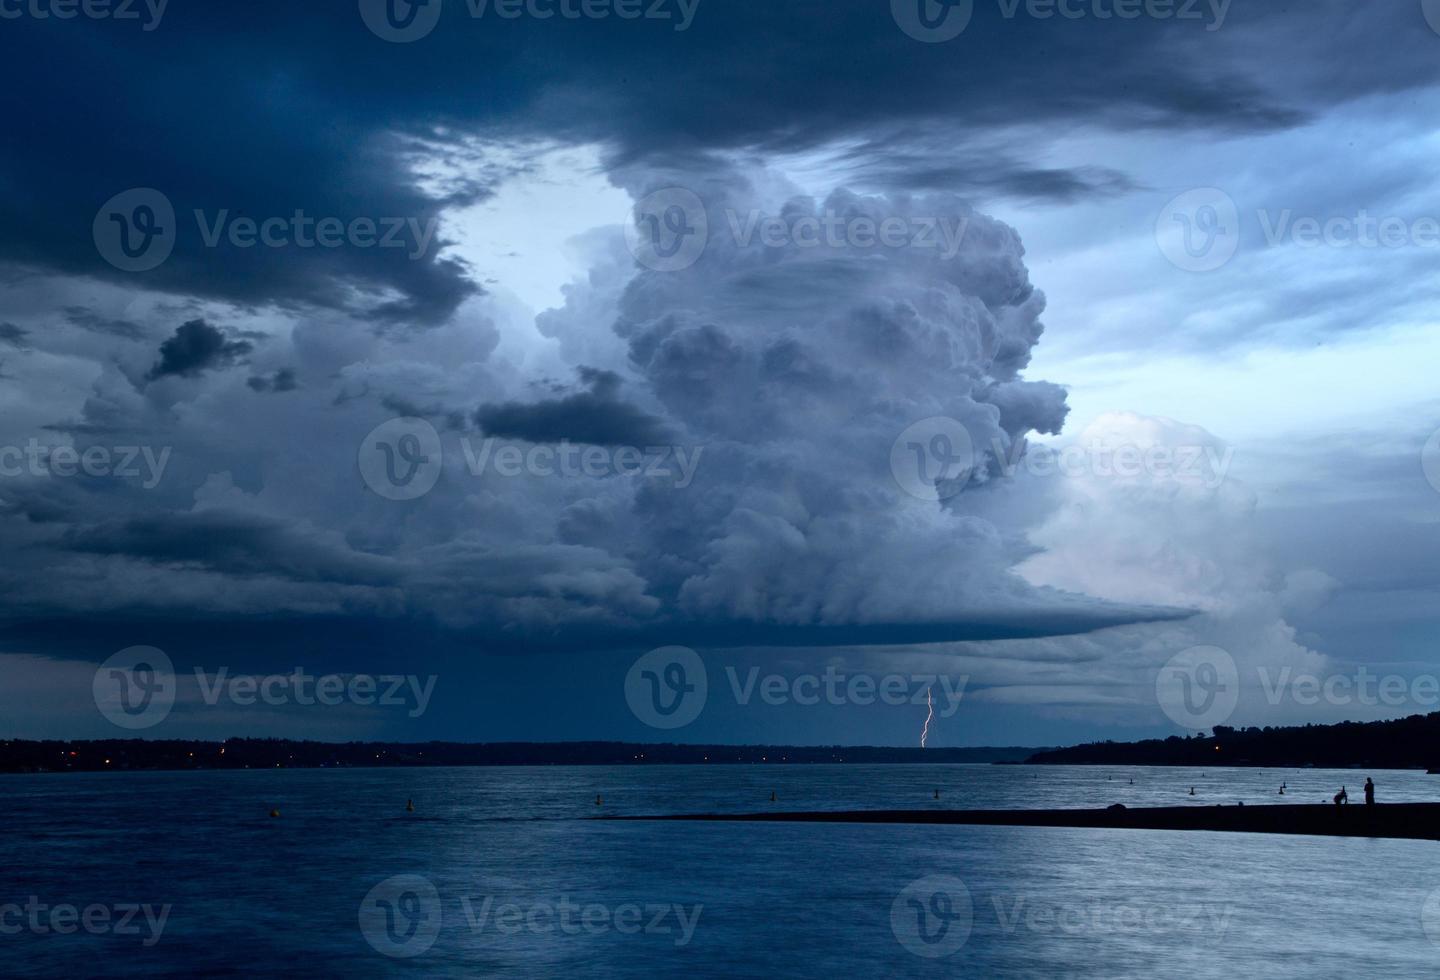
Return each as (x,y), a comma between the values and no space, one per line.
(794,370)
(196,347)
(281,381)
(916,161)
(87,319)
(12,335)
(234,544)
(328,119)
(598,417)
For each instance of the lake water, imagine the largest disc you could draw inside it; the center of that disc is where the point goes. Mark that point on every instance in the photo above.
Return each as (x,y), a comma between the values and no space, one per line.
(498,872)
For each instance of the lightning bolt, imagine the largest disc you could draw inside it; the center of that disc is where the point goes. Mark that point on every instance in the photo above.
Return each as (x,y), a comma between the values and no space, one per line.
(930,704)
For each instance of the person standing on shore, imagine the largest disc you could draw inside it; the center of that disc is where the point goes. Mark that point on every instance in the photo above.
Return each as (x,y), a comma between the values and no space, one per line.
(1369,792)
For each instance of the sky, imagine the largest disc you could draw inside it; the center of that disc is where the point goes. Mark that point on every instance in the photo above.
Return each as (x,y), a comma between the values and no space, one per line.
(850,372)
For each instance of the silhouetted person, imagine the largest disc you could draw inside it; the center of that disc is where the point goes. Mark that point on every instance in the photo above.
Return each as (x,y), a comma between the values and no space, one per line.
(1369,792)
(1342,796)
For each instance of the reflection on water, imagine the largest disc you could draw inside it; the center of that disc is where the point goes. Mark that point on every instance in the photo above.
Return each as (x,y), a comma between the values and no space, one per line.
(493,875)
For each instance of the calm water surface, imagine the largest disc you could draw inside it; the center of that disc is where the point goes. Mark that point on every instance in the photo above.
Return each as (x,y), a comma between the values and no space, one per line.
(499,873)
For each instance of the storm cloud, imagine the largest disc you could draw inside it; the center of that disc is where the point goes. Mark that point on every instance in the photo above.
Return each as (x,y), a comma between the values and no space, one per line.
(1035,153)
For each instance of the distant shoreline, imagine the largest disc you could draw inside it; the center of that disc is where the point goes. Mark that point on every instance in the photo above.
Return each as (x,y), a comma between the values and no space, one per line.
(120,755)
(1401,744)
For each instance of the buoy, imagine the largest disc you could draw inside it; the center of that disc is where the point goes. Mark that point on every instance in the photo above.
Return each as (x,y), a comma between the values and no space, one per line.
(598,800)
(274,813)
(409,806)
(937,794)
(772,796)
(1282,790)
(1192,790)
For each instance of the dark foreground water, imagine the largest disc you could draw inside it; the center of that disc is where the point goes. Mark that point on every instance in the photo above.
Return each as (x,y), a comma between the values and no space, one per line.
(500,873)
